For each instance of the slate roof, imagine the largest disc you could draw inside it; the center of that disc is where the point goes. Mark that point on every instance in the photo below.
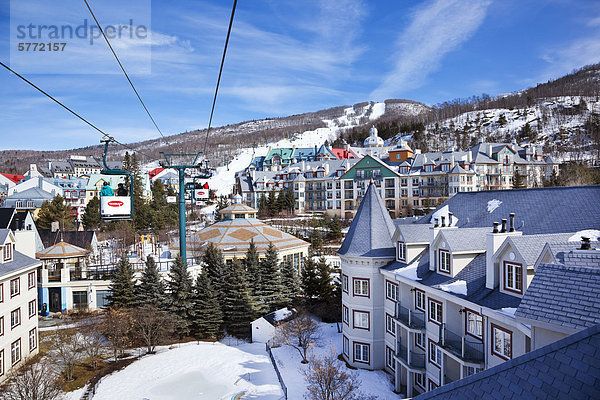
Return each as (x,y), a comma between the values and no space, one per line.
(538,210)
(370,234)
(20,261)
(34,193)
(530,246)
(560,250)
(465,239)
(3,234)
(413,233)
(6,217)
(565,295)
(565,369)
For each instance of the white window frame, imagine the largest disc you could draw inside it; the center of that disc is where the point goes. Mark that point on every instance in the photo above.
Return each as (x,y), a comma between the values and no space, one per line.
(516,270)
(359,322)
(391,291)
(1,362)
(420,300)
(444,261)
(421,381)
(435,354)
(15,351)
(362,285)
(501,338)
(474,324)
(390,325)
(436,314)
(32,340)
(361,352)
(8,252)
(420,343)
(401,250)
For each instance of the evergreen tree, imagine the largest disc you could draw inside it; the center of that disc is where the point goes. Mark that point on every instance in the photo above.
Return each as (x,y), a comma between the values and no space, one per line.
(238,309)
(91,217)
(290,282)
(335,228)
(263,206)
(151,289)
(122,285)
(214,266)
(324,287)
(316,240)
(309,279)
(208,317)
(270,292)
(252,264)
(181,302)
(281,201)
(290,200)
(222,203)
(55,210)
(518,180)
(272,202)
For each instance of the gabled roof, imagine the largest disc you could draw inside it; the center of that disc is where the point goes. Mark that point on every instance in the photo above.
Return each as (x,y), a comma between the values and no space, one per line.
(3,235)
(530,246)
(559,250)
(19,261)
(370,234)
(565,295)
(413,233)
(82,239)
(465,239)
(6,217)
(538,210)
(565,369)
(155,172)
(13,177)
(32,194)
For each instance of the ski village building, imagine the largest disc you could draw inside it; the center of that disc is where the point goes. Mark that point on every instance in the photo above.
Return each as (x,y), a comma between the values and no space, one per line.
(408,181)
(486,278)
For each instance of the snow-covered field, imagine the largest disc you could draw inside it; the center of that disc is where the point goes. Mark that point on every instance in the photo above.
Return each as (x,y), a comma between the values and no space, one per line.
(220,370)
(210,371)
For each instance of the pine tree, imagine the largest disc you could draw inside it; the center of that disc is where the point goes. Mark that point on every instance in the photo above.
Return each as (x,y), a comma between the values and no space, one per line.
(335,228)
(518,180)
(142,214)
(55,210)
(290,200)
(122,285)
(208,317)
(181,302)
(151,289)
(309,279)
(214,266)
(238,309)
(252,264)
(290,282)
(270,292)
(223,203)
(91,217)
(324,287)
(263,206)
(272,202)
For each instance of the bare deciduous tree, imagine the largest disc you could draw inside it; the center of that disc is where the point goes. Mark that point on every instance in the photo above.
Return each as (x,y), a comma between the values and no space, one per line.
(34,380)
(92,341)
(68,347)
(329,379)
(152,326)
(117,329)
(301,333)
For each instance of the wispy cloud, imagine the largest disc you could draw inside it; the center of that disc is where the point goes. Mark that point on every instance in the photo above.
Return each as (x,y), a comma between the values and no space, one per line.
(437,28)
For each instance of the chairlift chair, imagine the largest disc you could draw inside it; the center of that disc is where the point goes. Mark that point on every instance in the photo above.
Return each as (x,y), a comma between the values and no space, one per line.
(116,208)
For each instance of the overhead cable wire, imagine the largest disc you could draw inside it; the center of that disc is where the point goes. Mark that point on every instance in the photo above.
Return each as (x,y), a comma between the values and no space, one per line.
(124,72)
(220,73)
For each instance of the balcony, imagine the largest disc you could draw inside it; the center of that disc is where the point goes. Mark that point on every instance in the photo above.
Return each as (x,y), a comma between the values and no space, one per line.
(466,349)
(416,360)
(54,276)
(409,318)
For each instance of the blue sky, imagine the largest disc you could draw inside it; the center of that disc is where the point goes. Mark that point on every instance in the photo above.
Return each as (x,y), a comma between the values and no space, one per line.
(288,57)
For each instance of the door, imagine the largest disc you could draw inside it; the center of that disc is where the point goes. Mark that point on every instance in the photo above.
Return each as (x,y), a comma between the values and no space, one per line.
(55,301)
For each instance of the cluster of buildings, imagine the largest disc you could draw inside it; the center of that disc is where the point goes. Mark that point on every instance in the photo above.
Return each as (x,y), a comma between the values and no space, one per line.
(488,278)
(334,181)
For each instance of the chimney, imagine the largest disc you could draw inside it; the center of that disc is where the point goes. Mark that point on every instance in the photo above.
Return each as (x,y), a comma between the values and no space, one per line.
(585,243)
(493,242)
(450,219)
(443,221)
(495,227)
(434,230)
(436,223)
(512,222)
(503,230)
(326,168)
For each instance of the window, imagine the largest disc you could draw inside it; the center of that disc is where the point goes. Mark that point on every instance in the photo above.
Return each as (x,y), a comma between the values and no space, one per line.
(15,318)
(31,280)
(32,309)
(345,315)
(432,385)
(474,324)
(8,252)
(435,312)
(345,283)
(390,326)
(1,292)
(361,352)
(15,351)
(32,339)
(360,320)
(391,291)
(361,287)
(502,345)
(513,277)
(420,340)
(15,287)
(1,362)
(471,371)
(389,358)
(420,300)
(401,251)
(444,261)
(435,354)
(346,346)
(1,326)
(420,380)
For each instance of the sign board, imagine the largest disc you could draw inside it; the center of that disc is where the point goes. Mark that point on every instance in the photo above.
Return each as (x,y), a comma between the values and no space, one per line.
(171,199)
(201,194)
(115,206)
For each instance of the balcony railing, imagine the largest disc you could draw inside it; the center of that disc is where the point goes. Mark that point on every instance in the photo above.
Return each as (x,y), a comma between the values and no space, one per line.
(416,360)
(54,276)
(461,346)
(410,318)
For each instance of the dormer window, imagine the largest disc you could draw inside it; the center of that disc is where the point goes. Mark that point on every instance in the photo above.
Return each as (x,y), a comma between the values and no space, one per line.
(444,261)
(513,277)
(445,167)
(401,251)
(429,168)
(403,170)
(7,252)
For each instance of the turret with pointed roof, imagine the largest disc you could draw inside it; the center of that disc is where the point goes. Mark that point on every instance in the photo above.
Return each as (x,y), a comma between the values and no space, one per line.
(370,234)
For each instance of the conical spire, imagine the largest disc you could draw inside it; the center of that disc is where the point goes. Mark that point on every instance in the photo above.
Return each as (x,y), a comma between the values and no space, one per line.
(370,234)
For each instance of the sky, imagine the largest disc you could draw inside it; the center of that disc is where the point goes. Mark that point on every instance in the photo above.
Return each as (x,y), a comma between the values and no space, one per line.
(285,57)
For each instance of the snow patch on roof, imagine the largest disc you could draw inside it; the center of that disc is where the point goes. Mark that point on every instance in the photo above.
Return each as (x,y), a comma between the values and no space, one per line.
(443,212)
(282,314)
(409,271)
(593,234)
(492,205)
(508,311)
(458,287)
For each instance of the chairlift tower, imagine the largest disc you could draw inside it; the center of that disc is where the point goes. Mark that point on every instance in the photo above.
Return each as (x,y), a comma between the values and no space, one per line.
(181,162)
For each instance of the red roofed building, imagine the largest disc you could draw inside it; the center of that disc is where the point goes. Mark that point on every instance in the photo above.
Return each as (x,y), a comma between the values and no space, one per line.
(343,154)
(14,178)
(155,172)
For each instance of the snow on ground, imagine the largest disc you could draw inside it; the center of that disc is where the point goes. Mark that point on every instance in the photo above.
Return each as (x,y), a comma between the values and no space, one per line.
(75,394)
(377,383)
(210,371)
(458,287)
(593,234)
(378,111)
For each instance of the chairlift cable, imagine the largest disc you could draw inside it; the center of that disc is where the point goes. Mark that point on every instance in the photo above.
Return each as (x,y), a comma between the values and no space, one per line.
(220,73)
(125,72)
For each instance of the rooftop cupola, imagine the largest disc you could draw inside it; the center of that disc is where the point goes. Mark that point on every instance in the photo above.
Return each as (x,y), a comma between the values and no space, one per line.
(238,210)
